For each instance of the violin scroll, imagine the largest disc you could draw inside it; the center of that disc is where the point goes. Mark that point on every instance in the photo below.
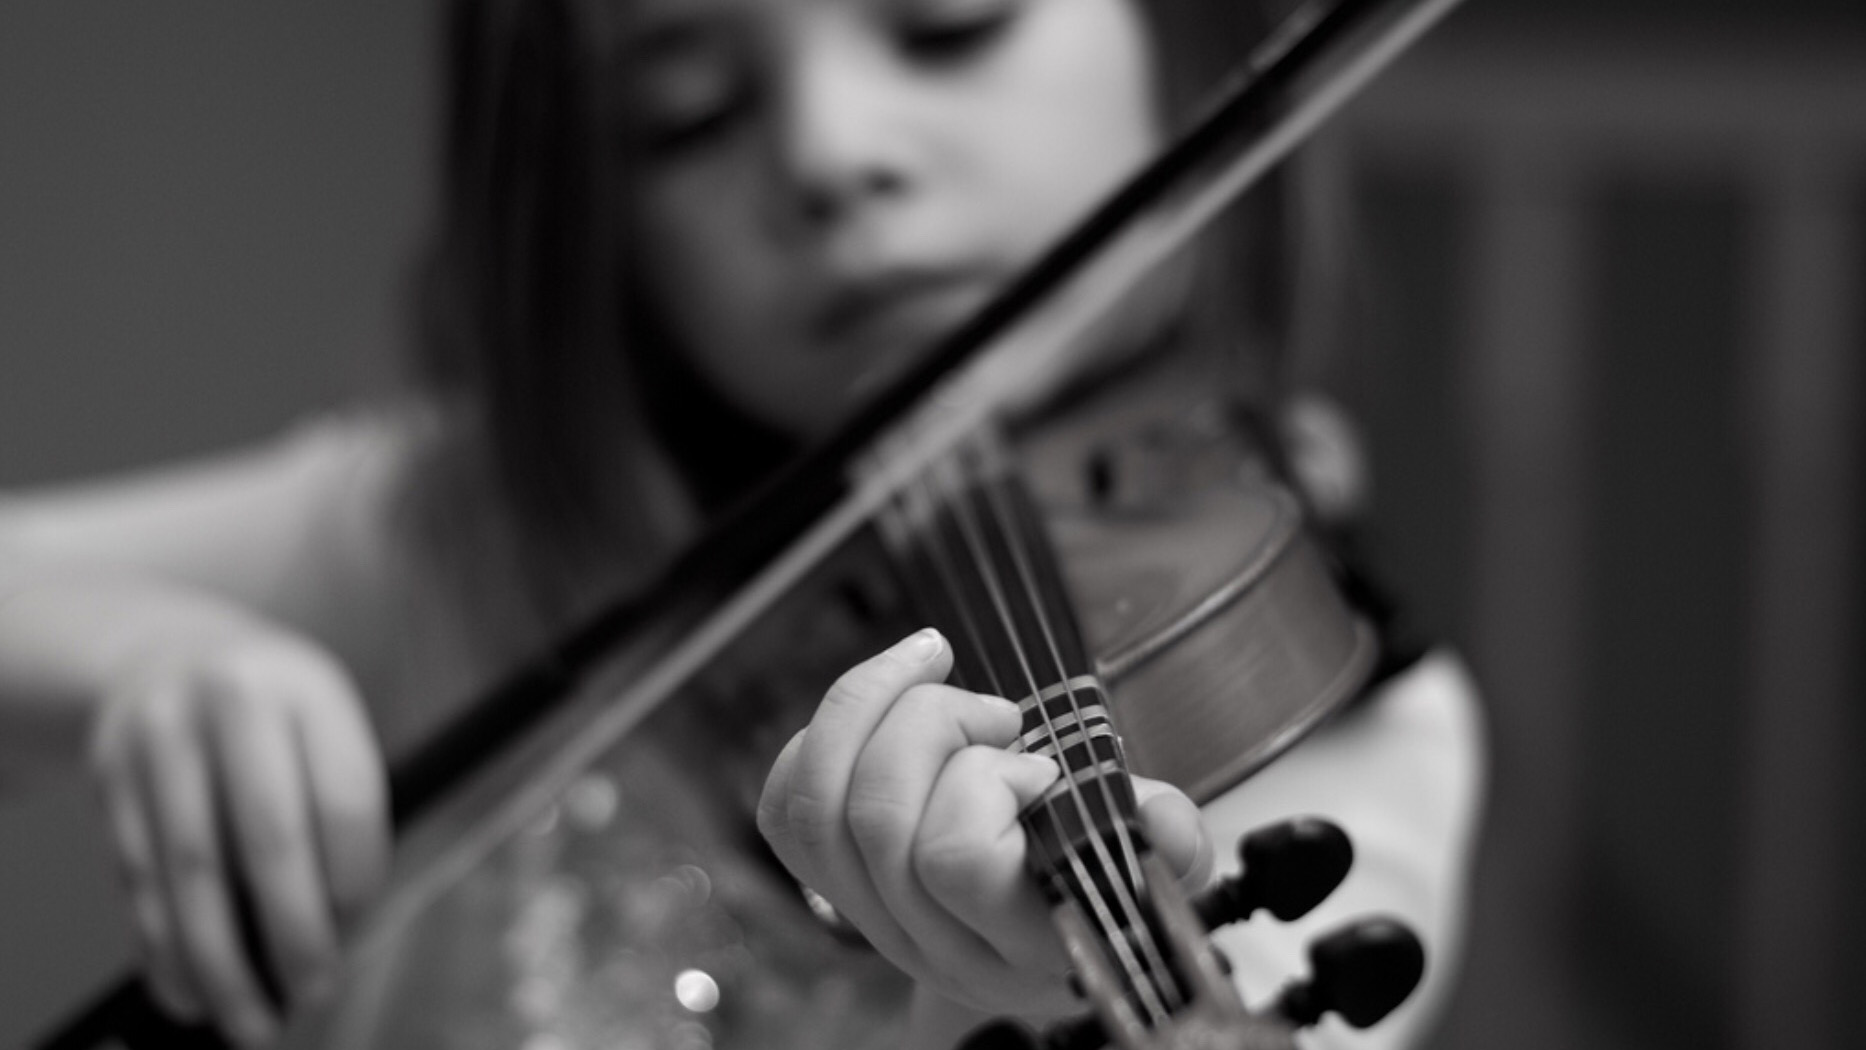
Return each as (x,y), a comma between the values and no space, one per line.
(1362,972)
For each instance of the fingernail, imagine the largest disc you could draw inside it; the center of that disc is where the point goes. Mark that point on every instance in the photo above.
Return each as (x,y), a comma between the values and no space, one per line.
(996,701)
(1042,764)
(920,646)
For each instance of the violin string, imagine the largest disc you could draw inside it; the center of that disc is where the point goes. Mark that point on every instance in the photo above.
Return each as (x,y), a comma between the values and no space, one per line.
(1022,560)
(924,524)
(1109,924)
(972,534)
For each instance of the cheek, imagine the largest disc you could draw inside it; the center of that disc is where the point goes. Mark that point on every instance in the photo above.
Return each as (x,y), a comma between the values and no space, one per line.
(1084,115)
(699,261)
(725,296)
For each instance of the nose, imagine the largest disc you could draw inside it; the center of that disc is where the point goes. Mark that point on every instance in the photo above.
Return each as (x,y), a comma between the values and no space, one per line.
(845,143)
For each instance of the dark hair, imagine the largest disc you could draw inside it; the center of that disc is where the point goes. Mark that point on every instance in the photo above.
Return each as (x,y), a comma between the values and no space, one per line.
(524,312)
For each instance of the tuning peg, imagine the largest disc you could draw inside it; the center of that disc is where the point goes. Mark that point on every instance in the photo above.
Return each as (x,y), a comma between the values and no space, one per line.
(1362,973)
(1289,868)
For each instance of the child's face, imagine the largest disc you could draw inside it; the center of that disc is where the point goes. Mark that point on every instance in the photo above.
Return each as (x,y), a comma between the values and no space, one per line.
(824,185)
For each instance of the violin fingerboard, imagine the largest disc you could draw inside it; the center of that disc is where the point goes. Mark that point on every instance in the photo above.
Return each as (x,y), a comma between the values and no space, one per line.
(975,553)
(974,550)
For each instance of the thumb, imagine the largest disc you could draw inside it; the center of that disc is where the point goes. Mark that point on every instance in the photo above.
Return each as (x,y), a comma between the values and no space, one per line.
(1174,827)
(772,822)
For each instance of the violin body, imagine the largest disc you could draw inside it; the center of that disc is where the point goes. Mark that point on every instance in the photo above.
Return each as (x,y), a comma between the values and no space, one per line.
(1219,638)
(1209,608)
(643,908)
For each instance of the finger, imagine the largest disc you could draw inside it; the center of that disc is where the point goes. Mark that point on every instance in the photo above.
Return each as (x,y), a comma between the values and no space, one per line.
(856,904)
(263,783)
(894,777)
(349,796)
(161,965)
(1178,835)
(818,785)
(970,853)
(175,778)
(847,717)
(163,968)
(773,810)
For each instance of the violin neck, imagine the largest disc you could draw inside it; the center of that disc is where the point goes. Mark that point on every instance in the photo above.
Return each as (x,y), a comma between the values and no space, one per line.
(974,551)
(976,555)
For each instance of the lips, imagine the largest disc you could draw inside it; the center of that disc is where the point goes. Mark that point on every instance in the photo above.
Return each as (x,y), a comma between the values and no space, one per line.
(906,307)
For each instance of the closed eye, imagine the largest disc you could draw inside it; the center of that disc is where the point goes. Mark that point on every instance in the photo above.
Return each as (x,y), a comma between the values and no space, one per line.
(952,31)
(685,88)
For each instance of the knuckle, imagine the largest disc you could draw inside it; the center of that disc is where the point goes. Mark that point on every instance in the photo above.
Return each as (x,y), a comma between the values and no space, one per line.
(235,679)
(262,663)
(925,707)
(873,680)
(947,863)
(878,818)
(809,819)
(956,848)
(925,697)
(973,764)
(163,716)
(852,689)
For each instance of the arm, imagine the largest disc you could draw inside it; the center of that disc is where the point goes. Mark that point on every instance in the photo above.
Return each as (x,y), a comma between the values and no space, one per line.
(296,533)
(187,634)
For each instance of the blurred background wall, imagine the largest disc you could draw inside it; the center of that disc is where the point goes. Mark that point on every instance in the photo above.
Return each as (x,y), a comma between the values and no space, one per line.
(1609,353)
(1607,329)
(205,208)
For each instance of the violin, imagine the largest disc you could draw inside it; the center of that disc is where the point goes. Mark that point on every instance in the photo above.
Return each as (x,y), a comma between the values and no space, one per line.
(1137,577)
(924,462)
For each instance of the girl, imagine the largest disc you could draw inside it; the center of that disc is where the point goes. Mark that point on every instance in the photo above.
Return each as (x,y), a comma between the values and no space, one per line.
(677,238)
